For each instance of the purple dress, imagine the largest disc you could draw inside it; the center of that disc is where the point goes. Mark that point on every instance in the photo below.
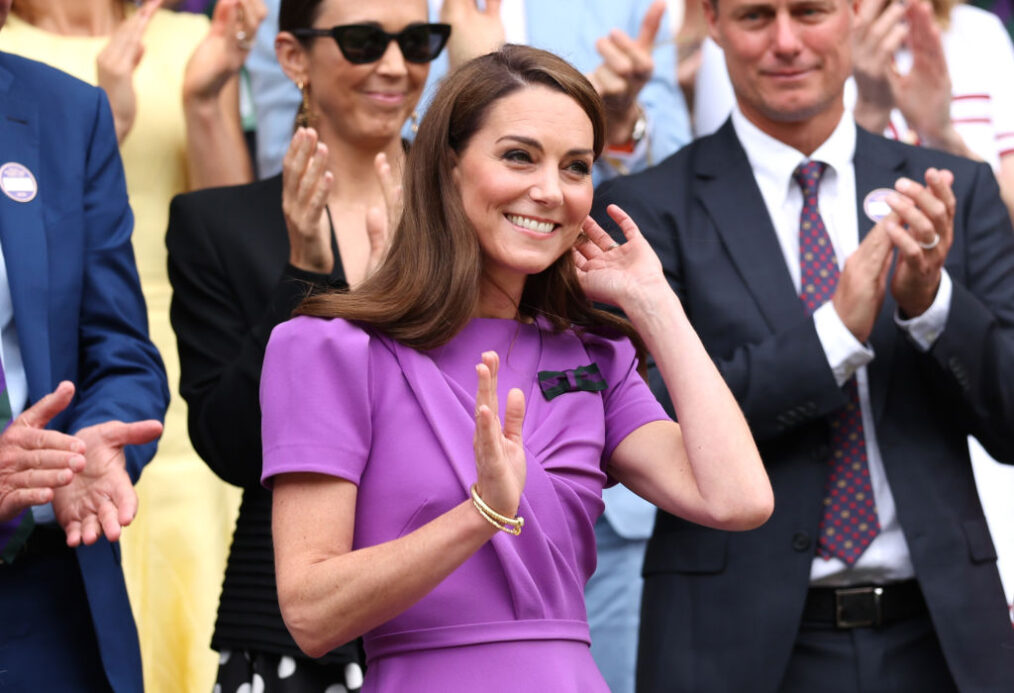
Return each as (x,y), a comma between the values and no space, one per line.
(339,400)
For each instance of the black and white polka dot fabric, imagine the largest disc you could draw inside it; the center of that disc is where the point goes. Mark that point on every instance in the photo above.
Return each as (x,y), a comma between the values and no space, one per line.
(257,672)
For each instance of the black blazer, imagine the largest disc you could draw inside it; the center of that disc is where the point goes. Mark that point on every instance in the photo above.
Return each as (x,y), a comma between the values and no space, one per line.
(228,264)
(721,610)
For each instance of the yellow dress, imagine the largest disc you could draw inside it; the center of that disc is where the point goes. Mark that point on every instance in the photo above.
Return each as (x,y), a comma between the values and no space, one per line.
(174,552)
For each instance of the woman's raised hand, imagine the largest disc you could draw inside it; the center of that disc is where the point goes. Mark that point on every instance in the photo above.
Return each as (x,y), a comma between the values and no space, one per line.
(878,32)
(117,62)
(475,31)
(612,273)
(381,222)
(626,67)
(305,186)
(923,94)
(221,54)
(500,461)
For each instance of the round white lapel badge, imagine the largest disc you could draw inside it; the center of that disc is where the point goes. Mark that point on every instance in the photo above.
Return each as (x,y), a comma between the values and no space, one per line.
(875,204)
(17,182)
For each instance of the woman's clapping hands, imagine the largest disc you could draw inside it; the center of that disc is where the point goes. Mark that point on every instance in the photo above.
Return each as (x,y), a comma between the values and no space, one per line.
(381,221)
(305,186)
(116,63)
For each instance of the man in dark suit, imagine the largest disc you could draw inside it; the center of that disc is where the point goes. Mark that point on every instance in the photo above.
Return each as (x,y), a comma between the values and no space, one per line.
(858,296)
(77,365)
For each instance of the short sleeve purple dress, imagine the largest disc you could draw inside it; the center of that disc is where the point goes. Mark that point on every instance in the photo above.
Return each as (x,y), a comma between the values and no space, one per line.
(344,401)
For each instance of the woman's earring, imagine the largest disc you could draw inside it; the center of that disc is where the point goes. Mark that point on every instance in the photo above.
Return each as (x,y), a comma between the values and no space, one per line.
(304,117)
(414,122)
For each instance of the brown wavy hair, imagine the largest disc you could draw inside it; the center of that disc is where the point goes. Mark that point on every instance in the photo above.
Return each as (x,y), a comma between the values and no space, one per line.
(427,289)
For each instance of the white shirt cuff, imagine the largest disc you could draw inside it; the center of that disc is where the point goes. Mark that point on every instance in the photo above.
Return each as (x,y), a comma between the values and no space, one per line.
(845,354)
(926,328)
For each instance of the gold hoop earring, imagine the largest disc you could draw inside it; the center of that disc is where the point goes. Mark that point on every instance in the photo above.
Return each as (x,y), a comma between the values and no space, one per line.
(414,122)
(304,116)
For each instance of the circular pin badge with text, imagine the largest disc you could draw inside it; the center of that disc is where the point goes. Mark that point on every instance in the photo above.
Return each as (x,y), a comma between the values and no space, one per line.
(875,204)
(17,182)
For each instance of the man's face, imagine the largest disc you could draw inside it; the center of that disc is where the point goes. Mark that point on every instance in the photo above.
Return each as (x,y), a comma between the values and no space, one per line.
(787,59)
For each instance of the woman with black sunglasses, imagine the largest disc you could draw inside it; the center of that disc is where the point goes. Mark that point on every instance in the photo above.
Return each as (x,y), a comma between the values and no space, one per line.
(240,260)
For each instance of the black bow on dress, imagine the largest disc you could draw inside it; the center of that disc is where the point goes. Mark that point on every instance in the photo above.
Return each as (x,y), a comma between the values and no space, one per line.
(583,378)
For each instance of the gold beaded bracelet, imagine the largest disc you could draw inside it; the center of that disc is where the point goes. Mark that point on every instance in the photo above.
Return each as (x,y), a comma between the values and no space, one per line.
(511,525)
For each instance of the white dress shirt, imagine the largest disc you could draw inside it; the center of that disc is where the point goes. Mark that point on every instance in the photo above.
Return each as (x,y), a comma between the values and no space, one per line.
(887,558)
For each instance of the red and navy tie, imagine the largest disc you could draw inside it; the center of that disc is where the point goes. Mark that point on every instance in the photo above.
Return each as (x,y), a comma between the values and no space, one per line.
(849,522)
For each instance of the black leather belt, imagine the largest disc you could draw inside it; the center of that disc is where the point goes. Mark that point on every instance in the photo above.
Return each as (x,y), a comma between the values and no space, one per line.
(864,606)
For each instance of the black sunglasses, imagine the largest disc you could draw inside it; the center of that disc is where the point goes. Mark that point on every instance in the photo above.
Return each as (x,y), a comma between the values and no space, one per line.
(366,43)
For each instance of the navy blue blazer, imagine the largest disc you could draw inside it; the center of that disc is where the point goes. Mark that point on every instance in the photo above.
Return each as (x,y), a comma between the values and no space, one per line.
(721,610)
(77,301)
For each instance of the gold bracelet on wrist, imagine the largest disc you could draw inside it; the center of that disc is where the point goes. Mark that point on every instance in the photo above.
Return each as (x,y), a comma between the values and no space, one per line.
(511,525)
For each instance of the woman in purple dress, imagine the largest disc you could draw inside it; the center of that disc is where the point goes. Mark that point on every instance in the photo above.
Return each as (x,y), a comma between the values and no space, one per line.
(405,508)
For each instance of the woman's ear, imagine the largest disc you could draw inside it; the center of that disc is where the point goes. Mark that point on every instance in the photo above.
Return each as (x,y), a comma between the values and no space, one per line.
(455,170)
(292,57)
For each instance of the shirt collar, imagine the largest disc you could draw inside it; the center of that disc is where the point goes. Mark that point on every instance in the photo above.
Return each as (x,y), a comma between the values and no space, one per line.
(773,161)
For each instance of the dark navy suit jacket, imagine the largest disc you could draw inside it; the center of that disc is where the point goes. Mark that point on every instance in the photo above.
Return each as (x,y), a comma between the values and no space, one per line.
(721,610)
(77,301)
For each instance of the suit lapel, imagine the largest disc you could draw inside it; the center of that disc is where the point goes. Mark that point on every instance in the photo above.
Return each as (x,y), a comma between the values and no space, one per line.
(23,237)
(723,174)
(878,166)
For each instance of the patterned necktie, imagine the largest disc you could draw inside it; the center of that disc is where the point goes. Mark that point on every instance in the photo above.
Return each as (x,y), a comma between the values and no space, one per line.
(849,522)
(15,531)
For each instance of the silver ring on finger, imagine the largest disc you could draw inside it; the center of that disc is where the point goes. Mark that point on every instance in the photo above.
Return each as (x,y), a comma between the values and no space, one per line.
(932,244)
(614,244)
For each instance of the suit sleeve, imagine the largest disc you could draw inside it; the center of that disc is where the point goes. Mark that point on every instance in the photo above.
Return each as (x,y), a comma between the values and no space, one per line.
(222,350)
(975,351)
(780,379)
(120,376)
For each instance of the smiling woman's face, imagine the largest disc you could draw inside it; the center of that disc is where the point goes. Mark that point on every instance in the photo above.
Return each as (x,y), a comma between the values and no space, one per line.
(365,104)
(525,182)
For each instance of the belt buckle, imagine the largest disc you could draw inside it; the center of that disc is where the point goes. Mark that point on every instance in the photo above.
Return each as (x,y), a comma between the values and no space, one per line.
(858,607)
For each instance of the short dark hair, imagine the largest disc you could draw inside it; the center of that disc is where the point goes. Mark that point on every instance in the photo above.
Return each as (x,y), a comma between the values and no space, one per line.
(298,14)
